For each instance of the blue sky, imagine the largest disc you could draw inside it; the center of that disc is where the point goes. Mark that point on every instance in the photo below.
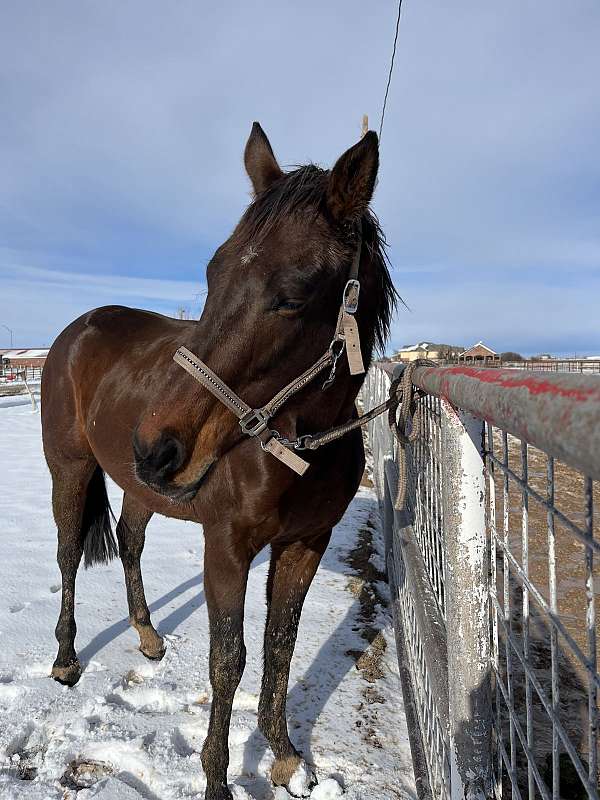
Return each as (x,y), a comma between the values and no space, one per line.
(123,127)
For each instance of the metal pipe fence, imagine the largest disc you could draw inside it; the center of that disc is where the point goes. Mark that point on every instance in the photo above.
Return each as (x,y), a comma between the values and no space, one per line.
(493,566)
(17,373)
(581,365)
(578,365)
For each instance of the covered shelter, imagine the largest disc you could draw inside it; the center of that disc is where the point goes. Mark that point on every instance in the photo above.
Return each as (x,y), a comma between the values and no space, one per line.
(480,354)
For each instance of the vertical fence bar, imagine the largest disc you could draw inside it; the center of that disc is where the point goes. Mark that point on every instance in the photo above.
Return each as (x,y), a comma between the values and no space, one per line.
(494,591)
(553,631)
(591,634)
(525,622)
(469,694)
(507,609)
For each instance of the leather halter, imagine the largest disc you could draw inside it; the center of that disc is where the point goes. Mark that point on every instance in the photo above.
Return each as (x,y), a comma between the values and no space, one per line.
(254,421)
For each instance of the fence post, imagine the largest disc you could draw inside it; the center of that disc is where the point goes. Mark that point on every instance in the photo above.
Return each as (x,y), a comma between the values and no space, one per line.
(467,620)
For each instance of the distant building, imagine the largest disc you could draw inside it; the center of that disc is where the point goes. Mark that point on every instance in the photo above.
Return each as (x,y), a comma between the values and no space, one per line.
(411,352)
(434,352)
(480,353)
(31,360)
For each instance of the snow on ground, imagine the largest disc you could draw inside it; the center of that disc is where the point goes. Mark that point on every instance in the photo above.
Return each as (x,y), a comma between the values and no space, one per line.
(139,725)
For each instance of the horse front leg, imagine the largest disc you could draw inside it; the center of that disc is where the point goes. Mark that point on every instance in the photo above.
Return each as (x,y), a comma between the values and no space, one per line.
(290,574)
(225,577)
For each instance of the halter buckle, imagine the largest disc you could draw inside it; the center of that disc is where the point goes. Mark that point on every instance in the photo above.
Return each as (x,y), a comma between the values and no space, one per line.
(350,296)
(254,422)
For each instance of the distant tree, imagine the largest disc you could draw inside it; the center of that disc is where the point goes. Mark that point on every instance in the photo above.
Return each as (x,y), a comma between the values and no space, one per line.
(183,313)
(510,356)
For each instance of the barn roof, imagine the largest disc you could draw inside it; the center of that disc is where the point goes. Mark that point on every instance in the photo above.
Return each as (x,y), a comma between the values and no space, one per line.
(479,345)
(35,352)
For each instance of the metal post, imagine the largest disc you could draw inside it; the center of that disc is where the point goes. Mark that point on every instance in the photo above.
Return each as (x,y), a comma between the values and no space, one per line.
(467,620)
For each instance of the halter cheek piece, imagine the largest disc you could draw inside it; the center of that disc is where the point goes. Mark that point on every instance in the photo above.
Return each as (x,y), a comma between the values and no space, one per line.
(254,421)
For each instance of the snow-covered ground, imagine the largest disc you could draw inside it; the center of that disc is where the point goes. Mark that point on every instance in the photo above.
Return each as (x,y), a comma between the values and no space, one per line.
(144,722)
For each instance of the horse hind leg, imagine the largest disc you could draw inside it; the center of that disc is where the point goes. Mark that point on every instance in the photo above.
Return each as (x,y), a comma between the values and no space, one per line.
(131,533)
(82,515)
(290,574)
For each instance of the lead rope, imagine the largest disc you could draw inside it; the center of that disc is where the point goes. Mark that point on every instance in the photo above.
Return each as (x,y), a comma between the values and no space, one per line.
(405,419)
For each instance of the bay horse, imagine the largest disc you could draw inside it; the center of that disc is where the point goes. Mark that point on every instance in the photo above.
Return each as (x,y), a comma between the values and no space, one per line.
(115,402)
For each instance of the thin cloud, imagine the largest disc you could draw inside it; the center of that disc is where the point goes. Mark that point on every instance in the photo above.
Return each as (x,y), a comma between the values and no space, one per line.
(46,300)
(117,286)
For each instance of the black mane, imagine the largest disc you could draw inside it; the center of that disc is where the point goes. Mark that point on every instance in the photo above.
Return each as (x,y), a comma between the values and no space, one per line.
(304,190)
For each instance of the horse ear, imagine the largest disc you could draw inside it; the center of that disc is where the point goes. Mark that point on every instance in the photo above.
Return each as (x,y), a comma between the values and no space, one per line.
(352,180)
(261,164)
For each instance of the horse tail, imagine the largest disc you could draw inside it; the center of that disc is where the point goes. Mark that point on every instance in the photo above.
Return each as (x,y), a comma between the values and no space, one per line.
(99,545)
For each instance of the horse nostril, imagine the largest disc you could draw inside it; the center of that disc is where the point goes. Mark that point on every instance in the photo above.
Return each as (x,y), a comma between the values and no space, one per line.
(166,455)
(140,449)
(159,459)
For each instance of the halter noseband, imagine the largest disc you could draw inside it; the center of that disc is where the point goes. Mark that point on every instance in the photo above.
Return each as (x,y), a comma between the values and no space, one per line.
(254,421)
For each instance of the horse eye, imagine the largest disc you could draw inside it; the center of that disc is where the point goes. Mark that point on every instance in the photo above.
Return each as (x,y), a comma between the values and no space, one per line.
(289,305)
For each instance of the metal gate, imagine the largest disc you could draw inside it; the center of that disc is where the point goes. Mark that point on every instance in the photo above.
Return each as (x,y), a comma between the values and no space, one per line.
(493,568)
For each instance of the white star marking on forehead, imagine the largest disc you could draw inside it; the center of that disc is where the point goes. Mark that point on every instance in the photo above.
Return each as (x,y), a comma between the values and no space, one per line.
(250,254)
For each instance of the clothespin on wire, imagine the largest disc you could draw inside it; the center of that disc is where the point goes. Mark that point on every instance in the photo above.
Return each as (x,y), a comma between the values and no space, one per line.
(365,125)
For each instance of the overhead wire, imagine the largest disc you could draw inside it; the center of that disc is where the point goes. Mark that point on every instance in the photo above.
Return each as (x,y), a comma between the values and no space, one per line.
(391,70)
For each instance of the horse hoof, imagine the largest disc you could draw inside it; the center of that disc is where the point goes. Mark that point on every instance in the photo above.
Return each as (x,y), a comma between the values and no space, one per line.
(151,644)
(295,775)
(155,653)
(67,675)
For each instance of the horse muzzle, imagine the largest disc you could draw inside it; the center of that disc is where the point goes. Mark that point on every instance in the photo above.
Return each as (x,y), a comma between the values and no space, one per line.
(157,464)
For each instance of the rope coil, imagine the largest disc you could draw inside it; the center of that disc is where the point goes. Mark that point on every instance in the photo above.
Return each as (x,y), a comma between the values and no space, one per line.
(405,420)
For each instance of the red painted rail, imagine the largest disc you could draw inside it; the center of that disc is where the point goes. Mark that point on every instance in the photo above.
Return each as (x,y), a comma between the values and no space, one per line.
(558,413)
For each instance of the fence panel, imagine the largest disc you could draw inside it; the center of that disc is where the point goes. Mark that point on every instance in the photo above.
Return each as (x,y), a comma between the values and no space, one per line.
(493,571)
(415,570)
